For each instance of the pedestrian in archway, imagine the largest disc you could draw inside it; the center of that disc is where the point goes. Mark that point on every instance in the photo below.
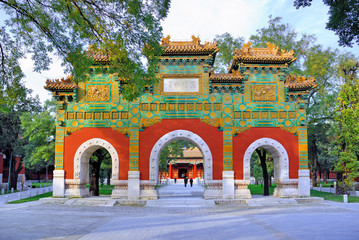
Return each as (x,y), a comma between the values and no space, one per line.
(175,180)
(191,182)
(185,181)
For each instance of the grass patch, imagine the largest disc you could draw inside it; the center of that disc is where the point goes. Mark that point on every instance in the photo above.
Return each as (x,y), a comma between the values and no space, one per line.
(333,197)
(34,198)
(104,189)
(37,185)
(259,190)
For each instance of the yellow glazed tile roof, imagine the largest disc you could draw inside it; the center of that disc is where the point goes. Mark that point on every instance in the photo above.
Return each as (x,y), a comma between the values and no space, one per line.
(188,47)
(60,84)
(299,83)
(270,54)
(226,77)
(97,56)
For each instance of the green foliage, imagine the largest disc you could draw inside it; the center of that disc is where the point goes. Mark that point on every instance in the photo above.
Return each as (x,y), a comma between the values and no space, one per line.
(259,189)
(31,199)
(227,44)
(343,19)
(347,120)
(129,31)
(333,197)
(283,36)
(39,129)
(173,150)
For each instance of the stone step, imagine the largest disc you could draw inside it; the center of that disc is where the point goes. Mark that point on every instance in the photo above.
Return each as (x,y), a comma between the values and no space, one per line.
(180,202)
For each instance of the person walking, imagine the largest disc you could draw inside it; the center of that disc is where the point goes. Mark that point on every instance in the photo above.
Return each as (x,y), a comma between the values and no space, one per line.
(185,181)
(191,182)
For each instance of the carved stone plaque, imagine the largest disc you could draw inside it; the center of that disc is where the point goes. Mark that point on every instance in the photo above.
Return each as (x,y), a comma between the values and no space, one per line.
(178,85)
(98,93)
(261,92)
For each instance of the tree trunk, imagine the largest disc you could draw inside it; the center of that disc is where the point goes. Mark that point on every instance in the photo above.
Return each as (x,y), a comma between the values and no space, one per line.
(47,172)
(325,176)
(94,178)
(314,178)
(108,177)
(263,156)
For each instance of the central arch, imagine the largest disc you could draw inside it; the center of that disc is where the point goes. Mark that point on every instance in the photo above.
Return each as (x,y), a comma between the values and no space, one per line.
(285,187)
(181,135)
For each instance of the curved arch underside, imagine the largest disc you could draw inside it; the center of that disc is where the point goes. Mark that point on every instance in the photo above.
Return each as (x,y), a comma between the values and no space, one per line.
(180,135)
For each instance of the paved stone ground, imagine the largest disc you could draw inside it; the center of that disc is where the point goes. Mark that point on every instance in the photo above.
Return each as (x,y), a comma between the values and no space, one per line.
(327,220)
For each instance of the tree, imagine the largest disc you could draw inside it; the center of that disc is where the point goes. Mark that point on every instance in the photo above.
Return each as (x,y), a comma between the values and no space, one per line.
(343,19)
(283,36)
(16,99)
(96,159)
(127,31)
(106,170)
(39,128)
(347,118)
(227,44)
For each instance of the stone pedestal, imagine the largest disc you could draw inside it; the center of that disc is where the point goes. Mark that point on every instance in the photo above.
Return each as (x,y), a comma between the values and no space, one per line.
(286,188)
(241,190)
(58,183)
(303,183)
(120,189)
(213,189)
(74,188)
(228,185)
(148,190)
(0,179)
(133,184)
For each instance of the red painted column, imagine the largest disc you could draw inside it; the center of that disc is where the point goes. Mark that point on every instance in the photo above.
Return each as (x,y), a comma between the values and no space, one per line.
(195,170)
(1,166)
(170,171)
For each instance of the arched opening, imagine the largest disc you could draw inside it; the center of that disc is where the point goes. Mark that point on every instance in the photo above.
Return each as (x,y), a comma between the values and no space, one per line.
(77,187)
(100,173)
(185,135)
(180,159)
(262,170)
(285,187)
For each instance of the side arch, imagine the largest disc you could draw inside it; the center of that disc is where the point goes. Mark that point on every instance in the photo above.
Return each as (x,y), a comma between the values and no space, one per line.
(83,154)
(279,154)
(180,135)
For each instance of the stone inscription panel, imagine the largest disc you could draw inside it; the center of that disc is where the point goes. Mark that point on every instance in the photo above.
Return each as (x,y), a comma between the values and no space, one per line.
(178,85)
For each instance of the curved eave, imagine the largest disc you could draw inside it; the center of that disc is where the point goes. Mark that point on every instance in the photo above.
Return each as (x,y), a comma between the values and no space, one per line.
(60,89)
(301,87)
(265,60)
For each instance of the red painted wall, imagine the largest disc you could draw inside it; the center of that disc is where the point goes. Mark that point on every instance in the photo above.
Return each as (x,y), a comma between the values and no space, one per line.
(209,134)
(242,141)
(17,159)
(118,140)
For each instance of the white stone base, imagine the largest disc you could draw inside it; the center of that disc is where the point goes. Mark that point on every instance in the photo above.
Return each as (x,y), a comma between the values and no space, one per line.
(228,185)
(120,189)
(73,188)
(58,183)
(148,190)
(241,189)
(213,189)
(0,179)
(303,183)
(286,188)
(133,184)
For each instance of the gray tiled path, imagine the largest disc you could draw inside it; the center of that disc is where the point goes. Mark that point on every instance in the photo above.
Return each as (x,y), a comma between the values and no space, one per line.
(327,220)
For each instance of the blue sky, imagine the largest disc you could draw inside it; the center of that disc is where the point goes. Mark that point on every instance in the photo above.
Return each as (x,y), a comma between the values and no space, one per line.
(207,18)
